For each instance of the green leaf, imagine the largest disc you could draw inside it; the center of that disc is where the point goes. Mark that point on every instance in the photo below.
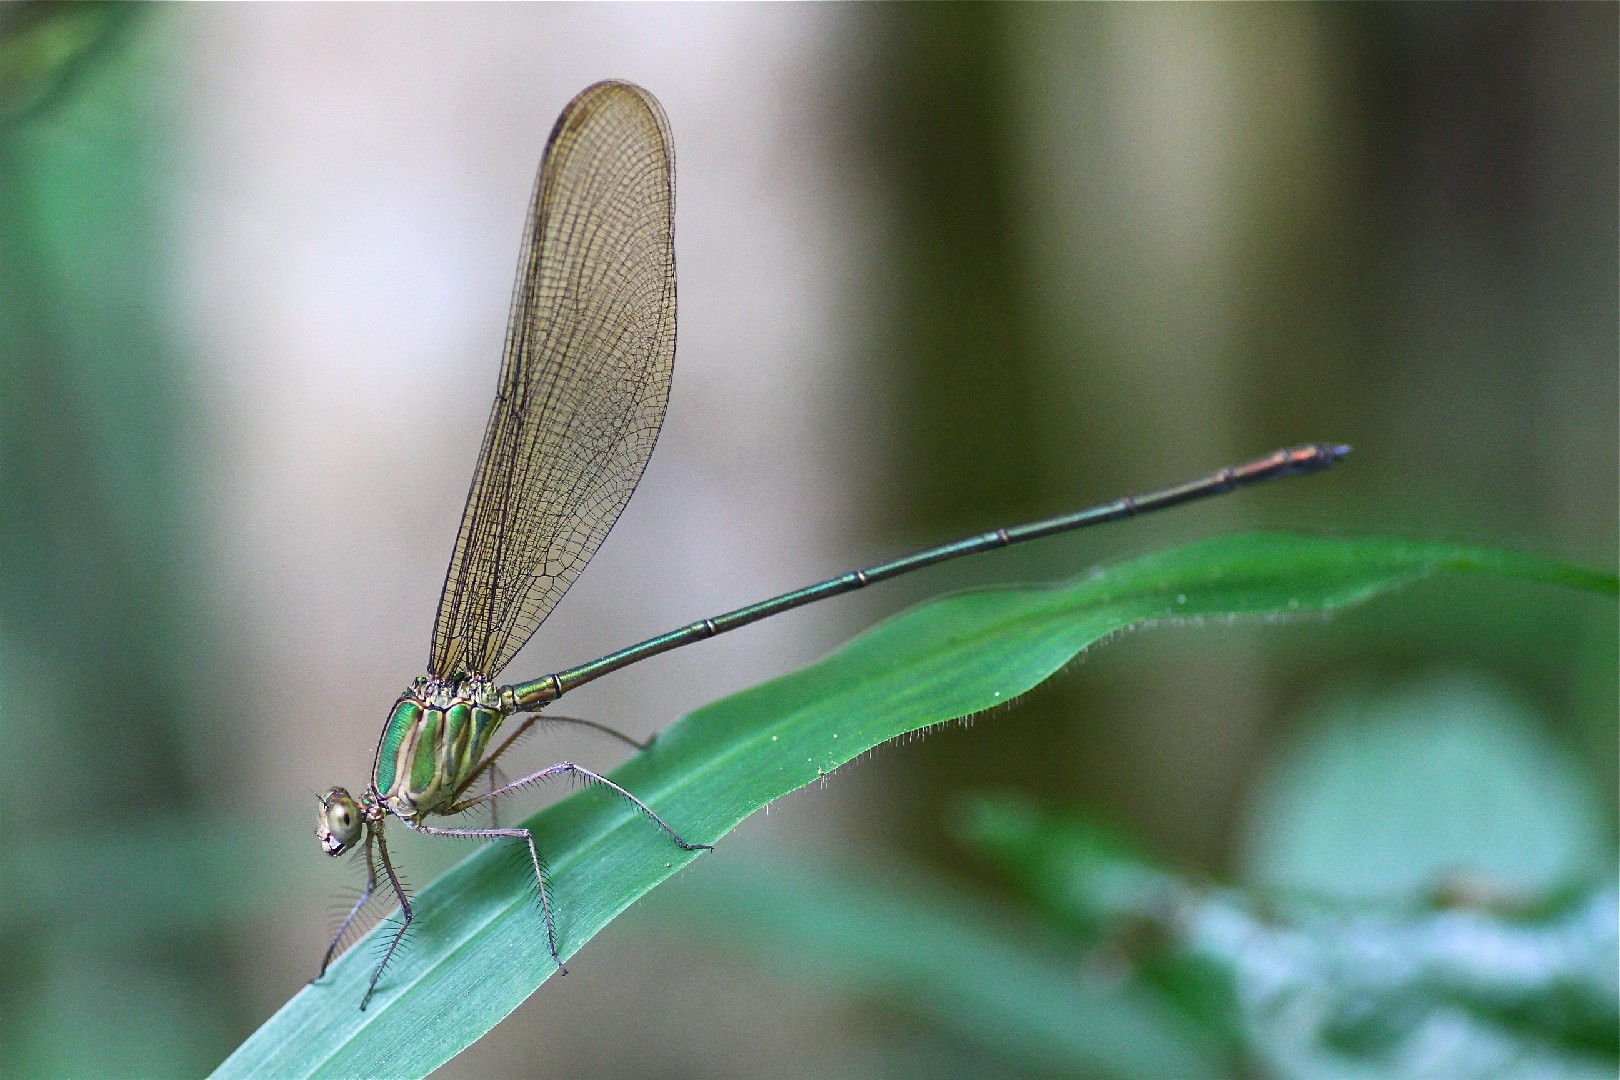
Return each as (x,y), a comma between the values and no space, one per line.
(477,949)
(1342,991)
(1112,898)
(1086,875)
(947,960)
(1483,994)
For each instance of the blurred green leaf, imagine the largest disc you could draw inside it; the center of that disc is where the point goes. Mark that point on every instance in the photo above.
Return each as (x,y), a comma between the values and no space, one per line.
(1596,705)
(1390,791)
(116,912)
(947,960)
(1112,899)
(44,47)
(1087,874)
(477,948)
(1395,991)
(1463,992)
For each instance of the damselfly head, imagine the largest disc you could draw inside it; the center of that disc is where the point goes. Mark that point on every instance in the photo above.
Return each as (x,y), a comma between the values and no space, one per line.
(341,822)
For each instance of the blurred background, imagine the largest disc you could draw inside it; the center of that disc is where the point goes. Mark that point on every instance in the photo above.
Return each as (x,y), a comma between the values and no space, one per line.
(941,268)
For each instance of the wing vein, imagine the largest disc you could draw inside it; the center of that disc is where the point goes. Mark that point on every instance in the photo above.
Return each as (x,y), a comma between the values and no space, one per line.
(584,381)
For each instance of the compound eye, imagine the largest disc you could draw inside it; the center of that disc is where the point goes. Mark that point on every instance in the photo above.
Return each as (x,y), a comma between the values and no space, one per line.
(341,822)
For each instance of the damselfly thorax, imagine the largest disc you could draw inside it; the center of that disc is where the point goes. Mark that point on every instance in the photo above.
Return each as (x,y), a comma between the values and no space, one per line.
(431,751)
(433,744)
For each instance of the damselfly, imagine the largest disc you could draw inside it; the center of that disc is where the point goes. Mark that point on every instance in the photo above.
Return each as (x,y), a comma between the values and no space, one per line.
(590,349)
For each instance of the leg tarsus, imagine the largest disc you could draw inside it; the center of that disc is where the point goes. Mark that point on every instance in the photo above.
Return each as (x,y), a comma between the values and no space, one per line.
(534,858)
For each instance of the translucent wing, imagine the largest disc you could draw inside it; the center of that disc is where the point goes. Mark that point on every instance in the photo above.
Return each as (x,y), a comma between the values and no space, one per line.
(584,380)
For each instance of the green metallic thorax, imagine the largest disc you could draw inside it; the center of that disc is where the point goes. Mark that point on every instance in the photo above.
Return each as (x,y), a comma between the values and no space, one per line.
(433,743)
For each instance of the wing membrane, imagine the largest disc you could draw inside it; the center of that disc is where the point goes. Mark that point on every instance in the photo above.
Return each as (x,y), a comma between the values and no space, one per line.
(584,382)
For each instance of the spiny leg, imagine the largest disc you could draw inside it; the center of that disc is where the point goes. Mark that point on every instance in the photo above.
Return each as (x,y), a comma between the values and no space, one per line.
(534,858)
(494,773)
(603,728)
(488,764)
(528,723)
(528,838)
(585,774)
(343,927)
(405,916)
